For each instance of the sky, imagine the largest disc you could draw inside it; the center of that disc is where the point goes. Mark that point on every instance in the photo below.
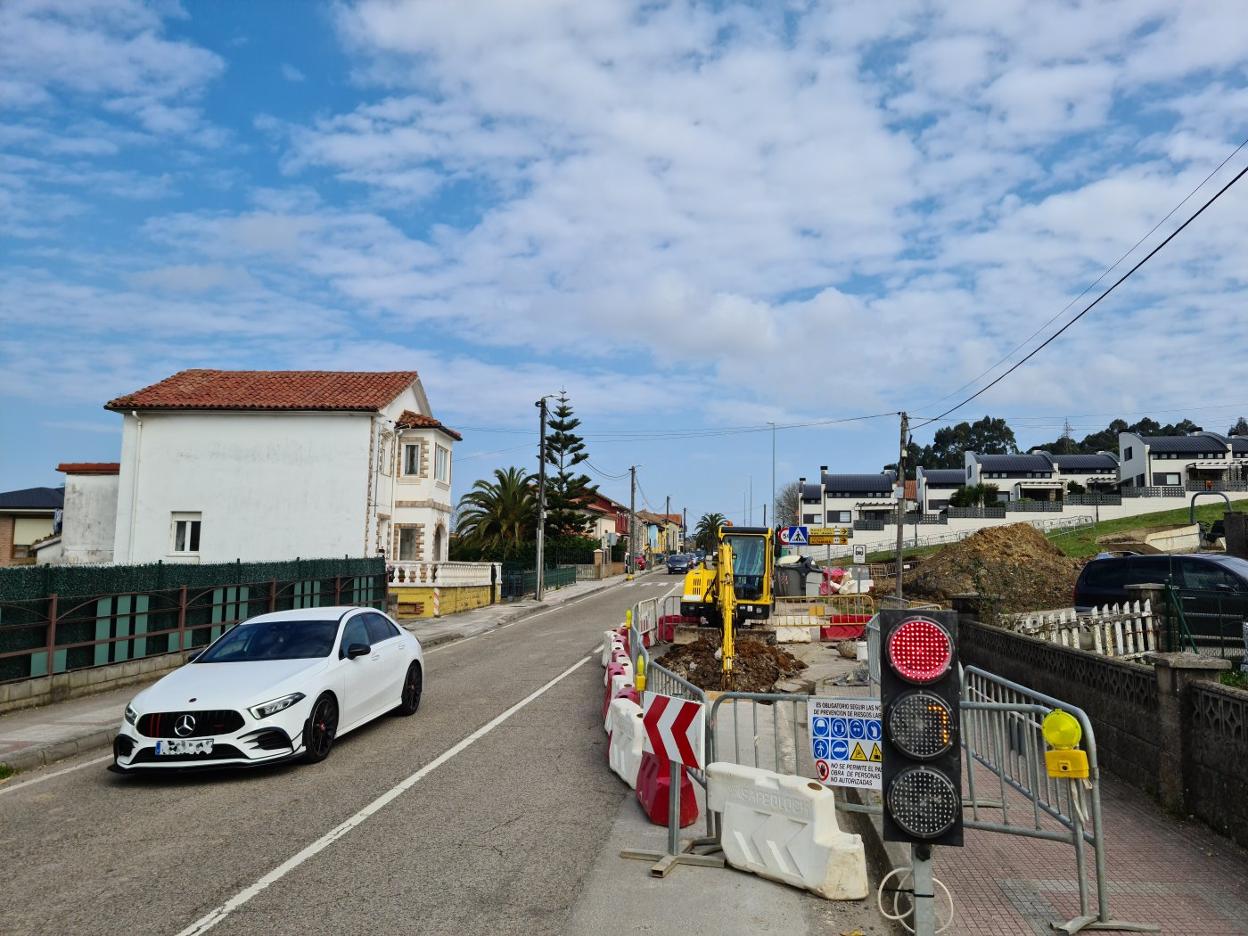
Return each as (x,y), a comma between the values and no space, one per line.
(697,218)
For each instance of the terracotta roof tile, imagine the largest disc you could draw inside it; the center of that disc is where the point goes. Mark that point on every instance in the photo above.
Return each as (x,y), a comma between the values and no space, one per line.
(352,391)
(410,420)
(89,468)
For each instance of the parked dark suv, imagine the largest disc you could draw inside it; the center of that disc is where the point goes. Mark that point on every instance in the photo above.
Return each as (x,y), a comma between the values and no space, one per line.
(1213,589)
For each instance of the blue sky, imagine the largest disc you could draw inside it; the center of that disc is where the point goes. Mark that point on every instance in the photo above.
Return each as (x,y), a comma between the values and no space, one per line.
(695,217)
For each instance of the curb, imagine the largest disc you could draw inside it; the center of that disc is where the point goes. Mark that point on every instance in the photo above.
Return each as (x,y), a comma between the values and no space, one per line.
(51,753)
(44,755)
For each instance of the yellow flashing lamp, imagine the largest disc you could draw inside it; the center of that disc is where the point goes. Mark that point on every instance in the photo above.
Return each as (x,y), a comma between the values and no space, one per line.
(1063,733)
(628,618)
(639,674)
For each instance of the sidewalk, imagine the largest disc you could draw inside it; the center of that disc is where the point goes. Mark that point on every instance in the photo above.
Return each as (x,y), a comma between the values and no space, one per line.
(39,736)
(1175,874)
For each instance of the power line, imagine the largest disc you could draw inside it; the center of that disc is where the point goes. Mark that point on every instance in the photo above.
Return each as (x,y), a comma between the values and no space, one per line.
(1090,306)
(606,474)
(1109,269)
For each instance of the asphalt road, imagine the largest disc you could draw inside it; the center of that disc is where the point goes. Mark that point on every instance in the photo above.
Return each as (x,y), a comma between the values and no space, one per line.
(494,816)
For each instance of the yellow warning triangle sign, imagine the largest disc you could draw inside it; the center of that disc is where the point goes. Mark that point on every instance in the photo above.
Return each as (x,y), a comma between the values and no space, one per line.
(876,757)
(858,753)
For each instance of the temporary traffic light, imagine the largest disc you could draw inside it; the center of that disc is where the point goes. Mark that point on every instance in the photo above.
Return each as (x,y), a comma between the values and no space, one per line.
(919,695)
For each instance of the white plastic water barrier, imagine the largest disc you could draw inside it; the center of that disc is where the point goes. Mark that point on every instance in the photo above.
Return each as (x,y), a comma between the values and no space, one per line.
(610,641)
(784,828)
(627,734)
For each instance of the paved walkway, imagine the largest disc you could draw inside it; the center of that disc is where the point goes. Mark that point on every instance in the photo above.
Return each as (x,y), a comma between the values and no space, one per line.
(39,736)
(1175,874)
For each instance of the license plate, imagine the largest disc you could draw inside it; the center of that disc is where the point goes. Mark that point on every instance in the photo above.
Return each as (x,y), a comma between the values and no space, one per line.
(196,746)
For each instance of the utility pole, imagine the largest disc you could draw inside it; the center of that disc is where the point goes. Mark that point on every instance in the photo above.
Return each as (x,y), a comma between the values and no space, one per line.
(539,588)
(751,516)
(773,477)
(901,500)
(632,520)
(667,518)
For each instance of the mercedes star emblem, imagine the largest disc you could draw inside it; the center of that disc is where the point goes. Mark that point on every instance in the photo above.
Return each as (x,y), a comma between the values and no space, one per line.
(184,726)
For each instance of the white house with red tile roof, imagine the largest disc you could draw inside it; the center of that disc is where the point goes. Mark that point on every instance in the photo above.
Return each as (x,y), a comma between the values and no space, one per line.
(269,465)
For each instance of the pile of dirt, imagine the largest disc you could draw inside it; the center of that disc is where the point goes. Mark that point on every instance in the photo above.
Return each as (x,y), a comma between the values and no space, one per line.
(756,666)
(1015,567)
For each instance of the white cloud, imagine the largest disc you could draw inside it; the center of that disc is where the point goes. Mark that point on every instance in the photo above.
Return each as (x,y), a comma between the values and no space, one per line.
(290,73)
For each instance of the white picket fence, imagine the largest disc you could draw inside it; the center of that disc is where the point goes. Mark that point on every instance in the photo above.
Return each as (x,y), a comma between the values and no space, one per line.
(1113,631)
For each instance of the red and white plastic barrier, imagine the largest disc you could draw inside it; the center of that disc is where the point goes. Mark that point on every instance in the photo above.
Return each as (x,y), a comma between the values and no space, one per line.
(654,786)
(626,737)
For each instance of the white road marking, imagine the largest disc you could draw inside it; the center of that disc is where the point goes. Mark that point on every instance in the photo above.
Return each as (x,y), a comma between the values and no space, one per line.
(56,773)
(210,920)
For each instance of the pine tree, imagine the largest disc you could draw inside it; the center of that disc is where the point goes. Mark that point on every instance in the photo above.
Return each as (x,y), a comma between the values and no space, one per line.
(567,490)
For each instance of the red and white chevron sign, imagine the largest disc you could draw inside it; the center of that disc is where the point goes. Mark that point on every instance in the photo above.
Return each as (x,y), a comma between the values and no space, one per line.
(673,729)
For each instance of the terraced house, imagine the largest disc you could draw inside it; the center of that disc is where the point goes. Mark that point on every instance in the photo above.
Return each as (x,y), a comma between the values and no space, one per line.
(261,465)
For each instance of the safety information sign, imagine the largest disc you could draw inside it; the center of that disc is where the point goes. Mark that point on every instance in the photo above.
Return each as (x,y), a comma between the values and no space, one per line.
(845,737)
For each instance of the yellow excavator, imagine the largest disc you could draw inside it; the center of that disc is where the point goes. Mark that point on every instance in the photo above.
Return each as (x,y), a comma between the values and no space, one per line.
(735,587)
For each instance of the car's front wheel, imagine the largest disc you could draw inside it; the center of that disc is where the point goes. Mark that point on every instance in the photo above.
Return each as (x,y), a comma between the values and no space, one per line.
(413,685)
(319,732)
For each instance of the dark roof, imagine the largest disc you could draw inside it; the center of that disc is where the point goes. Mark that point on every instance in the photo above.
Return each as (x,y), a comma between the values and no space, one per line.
(1239,444)
(858,483)
(810,492)
(1187,445)
(40,498)
(944,475)
(347,391)
(89,468)
(1086,462)
(409,420)
(1014,462)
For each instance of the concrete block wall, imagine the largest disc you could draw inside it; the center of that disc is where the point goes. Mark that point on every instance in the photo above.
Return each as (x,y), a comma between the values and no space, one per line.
(43,690)
(417,601)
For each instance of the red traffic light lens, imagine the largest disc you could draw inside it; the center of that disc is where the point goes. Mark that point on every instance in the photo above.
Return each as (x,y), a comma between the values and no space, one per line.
(920,651)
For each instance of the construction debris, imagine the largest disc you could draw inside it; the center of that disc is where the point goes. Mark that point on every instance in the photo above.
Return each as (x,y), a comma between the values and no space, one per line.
(756,666)
(1013,568)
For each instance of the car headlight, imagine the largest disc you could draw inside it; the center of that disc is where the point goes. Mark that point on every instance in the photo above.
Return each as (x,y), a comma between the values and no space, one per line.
(132,714)
(272,707)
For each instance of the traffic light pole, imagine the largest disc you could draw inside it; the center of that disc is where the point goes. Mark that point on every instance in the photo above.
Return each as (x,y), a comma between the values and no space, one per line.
(924,893)
(901,501)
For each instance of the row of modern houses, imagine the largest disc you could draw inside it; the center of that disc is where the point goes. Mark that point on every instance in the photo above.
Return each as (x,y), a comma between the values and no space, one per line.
(1144,466)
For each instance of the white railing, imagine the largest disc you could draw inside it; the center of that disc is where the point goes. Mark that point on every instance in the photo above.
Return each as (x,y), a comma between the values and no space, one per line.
(443,574)
(1114,630)
(1044,526)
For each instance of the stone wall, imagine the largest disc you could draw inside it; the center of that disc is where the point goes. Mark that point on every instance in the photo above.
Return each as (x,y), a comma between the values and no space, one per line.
(1215,776)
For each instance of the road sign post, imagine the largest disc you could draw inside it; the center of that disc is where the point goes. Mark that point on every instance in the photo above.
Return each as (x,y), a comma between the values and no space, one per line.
(675,734)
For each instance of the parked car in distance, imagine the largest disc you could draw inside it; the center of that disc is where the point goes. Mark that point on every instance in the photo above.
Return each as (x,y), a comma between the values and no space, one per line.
(678,564)
(1212,587)
(277,687)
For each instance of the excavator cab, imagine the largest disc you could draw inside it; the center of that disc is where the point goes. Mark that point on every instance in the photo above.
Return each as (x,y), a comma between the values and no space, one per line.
(752,550)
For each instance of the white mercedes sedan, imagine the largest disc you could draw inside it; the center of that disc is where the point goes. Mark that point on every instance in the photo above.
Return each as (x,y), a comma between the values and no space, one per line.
(277,687)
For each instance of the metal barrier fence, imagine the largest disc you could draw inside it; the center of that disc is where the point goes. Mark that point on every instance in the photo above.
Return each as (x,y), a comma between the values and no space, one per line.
(518,584)
(55,634)
(1001,732)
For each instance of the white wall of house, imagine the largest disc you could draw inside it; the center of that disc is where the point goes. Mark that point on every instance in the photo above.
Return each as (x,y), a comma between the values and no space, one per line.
(89,528)
(419,503)
(263,485)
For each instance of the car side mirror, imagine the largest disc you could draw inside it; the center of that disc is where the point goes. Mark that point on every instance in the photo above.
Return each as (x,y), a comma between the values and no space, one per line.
(358,650)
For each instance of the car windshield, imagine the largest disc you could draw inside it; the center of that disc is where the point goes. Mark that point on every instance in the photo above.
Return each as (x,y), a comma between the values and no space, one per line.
(273,640)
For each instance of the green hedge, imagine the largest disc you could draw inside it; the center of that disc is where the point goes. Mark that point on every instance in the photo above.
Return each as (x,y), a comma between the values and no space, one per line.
(25,583)
(556,551)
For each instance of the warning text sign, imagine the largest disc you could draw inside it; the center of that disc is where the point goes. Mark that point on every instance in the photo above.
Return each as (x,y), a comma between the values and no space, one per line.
(845,737)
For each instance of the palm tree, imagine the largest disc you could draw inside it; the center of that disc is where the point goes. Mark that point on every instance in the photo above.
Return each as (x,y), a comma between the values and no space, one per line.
(706,533)
(501,513)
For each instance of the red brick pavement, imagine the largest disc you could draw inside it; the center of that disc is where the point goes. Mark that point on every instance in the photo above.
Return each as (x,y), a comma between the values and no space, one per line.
(1176,874)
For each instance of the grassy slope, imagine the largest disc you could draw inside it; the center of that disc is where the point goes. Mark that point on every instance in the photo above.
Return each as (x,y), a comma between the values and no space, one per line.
(1081,543)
